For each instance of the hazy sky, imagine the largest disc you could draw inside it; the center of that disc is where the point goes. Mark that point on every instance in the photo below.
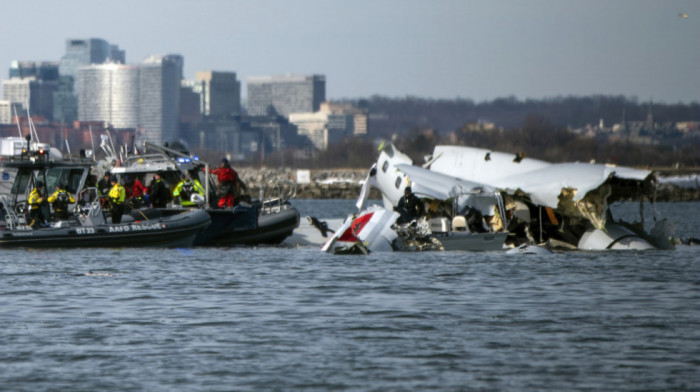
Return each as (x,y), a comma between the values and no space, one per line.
(478,50)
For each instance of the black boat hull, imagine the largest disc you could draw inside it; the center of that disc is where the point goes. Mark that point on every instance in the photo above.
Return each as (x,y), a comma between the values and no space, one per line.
(172,231)
(243,226)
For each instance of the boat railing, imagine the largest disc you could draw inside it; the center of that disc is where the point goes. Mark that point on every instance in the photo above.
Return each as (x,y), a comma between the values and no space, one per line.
(89,207)
(12,217)
(137,160)
(274,195)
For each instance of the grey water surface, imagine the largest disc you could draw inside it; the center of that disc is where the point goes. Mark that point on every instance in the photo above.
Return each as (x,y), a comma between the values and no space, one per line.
(296,319)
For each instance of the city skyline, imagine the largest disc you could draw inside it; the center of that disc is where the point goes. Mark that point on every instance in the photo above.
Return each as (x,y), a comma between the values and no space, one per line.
(475,50)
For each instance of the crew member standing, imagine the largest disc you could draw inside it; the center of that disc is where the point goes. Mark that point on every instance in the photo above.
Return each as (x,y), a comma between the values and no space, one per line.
(117,195)
(134,191)
(60,200)
(227,183)
(104,185)
(36,199)
(159,194)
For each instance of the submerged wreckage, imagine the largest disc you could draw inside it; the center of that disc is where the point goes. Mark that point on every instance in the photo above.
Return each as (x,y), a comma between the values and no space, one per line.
(478,199)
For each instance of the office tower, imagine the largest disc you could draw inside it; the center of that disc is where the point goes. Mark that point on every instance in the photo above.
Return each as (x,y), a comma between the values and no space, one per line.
(109,93)
(117,55)
(285,94)
(159,96)
(32,94)
(7,111)
(82,52)
(65,101)
(41,70)
(220,93)
(32,85)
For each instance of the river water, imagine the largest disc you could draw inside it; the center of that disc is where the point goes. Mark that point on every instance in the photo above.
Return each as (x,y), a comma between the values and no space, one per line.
(282,319)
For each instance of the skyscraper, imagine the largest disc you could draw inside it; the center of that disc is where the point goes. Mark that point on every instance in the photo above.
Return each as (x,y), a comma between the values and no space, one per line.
(110,93)
(31,93)
(285,94)
(159,97)
(81,52)
(220,92)
(42,70)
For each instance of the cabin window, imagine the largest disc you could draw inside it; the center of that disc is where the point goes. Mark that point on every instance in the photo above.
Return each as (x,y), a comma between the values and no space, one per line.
(398,182)
(385,166)
(70,178)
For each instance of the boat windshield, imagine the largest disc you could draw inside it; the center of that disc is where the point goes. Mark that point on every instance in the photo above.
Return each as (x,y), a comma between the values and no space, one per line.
(69,177)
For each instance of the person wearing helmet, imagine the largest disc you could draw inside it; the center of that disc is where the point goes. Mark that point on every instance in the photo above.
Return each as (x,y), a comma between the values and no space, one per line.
(60,200)
(36,199)
(410,207)
(185,189)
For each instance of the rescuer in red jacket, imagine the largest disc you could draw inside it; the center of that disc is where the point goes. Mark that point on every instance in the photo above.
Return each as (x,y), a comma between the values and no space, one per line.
(227,183)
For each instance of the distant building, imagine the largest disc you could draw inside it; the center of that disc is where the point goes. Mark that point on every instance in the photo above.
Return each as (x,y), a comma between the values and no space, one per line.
(331,123)
(357,119)
(220,93)
(7,111)
(109,93)
(284,95)
(33,94)
(159,97)
(190,113)
(82,52)
(322,128)
(41,70)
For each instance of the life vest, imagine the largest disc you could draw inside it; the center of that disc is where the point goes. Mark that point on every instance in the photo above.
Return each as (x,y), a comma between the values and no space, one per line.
(117,194)
(34,199)
(62,200)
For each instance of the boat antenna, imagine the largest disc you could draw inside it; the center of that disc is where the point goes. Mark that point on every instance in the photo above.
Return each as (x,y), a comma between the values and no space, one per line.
(19,129)
(32,129)
(111,142)
(92,142)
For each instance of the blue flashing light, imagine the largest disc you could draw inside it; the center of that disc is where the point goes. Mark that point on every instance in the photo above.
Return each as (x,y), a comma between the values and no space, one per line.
(195,158)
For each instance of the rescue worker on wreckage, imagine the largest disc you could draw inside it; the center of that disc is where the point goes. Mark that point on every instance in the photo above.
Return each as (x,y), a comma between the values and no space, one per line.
(60,200)
(185,189)
(35,201)
(410,207)
(117,196)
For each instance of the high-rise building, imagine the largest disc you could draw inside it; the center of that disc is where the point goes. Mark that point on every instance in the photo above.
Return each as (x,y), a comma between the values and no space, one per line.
(41,70)
(7,111)
(159,97)
(220,93)
(285,94)
(33,94)
(82,52)
(109,93)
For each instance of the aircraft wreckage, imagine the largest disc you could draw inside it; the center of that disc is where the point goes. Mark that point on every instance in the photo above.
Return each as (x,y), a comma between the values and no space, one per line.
(478,199)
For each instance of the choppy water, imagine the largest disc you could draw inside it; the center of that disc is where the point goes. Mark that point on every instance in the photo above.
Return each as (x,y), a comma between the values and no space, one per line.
(276,319)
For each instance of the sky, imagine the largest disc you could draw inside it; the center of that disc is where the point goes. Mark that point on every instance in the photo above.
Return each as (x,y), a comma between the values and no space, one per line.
(441,49)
